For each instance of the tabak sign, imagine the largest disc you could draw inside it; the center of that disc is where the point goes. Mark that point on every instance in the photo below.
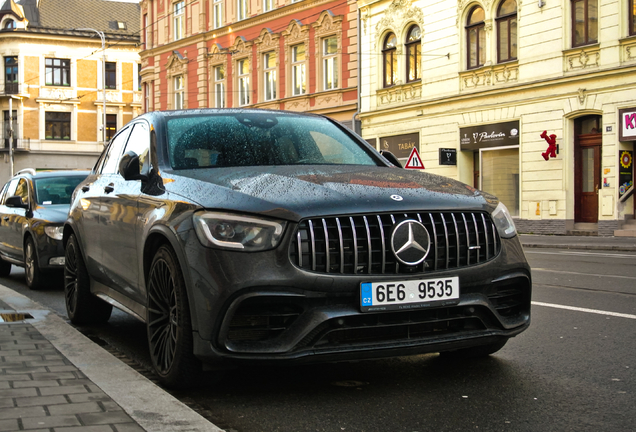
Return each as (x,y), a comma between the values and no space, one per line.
(400,145)
(491,135)
(627,124)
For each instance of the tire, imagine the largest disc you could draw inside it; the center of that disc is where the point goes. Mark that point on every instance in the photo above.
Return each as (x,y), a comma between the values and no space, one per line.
(82,307)
(476,351)
(32,272)
(5,268)
(168,323)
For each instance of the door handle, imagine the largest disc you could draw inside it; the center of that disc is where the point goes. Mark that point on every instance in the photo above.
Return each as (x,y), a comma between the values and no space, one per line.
(85,188)
(109,188)
(596,189)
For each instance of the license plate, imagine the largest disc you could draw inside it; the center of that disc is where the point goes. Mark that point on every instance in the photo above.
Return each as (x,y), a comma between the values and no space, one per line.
(413,294)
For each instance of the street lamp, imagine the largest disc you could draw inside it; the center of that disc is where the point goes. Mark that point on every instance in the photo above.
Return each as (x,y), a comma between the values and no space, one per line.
(101,35)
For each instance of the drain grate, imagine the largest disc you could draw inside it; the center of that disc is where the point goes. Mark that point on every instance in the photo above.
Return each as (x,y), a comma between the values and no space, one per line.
(14,316)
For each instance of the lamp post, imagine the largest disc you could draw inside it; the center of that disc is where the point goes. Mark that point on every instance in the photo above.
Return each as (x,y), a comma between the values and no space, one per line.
(102,37)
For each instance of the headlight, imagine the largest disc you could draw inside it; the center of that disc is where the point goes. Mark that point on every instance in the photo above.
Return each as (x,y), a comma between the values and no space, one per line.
(503,222)
(55,232)
(244,233)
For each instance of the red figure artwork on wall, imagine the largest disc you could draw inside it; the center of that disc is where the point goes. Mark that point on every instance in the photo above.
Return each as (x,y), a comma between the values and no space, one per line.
(552,147)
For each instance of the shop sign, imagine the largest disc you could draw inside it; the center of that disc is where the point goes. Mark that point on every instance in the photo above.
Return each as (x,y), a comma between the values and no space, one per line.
(626,173)
(400,145)
(491,135)
(447,156)
(627,124)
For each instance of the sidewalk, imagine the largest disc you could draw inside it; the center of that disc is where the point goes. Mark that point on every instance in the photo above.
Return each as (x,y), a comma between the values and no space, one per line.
(625,244)
(53,378)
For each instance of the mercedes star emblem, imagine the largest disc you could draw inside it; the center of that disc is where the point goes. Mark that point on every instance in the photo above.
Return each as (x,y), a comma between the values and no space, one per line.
(410,242)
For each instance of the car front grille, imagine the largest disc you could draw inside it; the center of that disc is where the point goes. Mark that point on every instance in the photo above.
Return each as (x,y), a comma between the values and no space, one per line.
(361,244)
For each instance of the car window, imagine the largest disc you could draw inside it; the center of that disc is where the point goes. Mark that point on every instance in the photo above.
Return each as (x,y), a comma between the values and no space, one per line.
(56,190)
(139,142)
(10,189)
(23,190)
(115,150)
(4,190)
(247,139)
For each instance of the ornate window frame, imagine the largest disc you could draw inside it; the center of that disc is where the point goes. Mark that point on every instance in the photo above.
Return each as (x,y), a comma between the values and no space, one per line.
(266,42)
(327,25)
(241,50)
(175,66)
(217,56)
(295,34)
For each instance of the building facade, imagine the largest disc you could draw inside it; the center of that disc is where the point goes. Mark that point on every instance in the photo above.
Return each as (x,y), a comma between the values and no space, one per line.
(56,78)
(276,54)
(533,102)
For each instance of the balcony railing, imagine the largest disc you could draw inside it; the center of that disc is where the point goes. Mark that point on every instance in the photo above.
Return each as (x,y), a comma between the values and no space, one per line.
(20,144)
(10,89)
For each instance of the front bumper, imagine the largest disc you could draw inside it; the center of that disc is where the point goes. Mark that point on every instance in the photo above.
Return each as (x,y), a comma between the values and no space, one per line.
(260,307)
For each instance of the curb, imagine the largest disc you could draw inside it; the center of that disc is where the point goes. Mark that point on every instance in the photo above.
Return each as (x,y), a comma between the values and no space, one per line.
(149,405)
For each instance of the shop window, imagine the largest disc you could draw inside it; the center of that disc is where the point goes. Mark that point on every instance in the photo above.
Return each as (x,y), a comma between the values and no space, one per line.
(413,47)
(11,75)
(57,72)
(243,82)
(330,63)
(584,22)
(178,19)
(507,31)
(178,92)
(218,13)
(57,125)
(111,75)
(476,38)
(499,175)
(389,57)
(219,86)
(269,76)
(298,70)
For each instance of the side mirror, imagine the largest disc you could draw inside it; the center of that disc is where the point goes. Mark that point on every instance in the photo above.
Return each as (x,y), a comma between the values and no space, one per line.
(16,201)
(391,158)
(129,166)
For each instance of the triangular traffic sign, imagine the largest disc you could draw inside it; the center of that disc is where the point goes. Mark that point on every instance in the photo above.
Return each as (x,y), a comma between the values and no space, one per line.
(415,161)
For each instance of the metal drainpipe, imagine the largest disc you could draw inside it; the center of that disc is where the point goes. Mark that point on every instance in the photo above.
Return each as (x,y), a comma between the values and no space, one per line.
(353,119)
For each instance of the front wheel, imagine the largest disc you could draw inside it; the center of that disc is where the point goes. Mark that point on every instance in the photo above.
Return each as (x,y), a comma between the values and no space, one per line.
(82,306)
(32,272)
(168,323)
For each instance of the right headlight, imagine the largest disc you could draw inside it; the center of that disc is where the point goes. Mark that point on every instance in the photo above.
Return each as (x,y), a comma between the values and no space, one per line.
(503,221)
(237,232)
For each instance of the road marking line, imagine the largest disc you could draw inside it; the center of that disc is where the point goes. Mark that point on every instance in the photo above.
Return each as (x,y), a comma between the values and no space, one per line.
(581,253)
(578,309)
(583,274)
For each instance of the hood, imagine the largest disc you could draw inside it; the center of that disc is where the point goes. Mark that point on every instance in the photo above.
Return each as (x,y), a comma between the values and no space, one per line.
(296,192)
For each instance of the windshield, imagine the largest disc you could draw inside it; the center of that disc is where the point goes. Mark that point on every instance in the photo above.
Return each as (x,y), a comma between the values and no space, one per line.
(249,139)
(56,190)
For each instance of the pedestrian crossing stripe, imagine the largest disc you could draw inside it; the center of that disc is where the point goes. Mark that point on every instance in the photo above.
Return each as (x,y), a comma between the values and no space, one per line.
(415,161)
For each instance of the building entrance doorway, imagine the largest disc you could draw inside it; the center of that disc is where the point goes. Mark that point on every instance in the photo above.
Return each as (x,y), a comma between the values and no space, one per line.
(588,143)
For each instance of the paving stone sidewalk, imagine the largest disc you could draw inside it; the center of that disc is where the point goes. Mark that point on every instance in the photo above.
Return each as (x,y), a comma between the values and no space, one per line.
(40,390)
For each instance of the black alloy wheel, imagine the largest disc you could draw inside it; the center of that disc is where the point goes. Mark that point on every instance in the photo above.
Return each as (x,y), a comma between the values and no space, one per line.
(168,323)
(82,307)
(32,272)
(5,268)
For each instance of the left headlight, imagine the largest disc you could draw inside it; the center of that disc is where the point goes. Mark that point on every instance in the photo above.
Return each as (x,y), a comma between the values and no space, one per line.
(503,221)
(244,233)
(55,232)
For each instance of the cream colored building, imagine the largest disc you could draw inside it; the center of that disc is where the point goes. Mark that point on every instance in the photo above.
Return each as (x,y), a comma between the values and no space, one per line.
(52,76)
(474,84)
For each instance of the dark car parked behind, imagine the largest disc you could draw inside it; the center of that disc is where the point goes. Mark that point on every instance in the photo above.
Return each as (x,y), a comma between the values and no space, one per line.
(243,236)
(33,208)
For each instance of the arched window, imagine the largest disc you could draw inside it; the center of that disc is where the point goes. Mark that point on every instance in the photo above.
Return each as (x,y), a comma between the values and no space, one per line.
(389,57)
(413,54)
(507,31)
(584,22)
(476,38)
(9,24)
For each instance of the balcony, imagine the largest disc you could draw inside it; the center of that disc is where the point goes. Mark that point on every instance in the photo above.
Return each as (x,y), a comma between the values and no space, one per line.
(19,144)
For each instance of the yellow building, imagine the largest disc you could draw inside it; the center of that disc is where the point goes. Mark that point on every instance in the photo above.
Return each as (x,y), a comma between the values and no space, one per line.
(55,80)
(475,84)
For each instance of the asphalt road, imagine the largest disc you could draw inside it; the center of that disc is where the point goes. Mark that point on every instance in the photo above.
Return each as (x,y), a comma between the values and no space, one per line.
(573,370)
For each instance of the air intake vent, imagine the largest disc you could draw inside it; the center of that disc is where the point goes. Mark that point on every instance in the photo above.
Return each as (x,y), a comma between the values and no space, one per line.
(361,244)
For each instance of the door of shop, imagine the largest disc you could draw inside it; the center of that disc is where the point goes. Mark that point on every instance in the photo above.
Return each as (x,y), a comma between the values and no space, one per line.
(587,168)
